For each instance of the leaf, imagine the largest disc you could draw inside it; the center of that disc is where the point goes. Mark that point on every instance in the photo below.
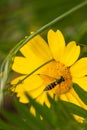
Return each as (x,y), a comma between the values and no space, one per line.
(81,93)
(16,121)
(44,112)
(24,111)
(58,117)
(65,119)
(74,109)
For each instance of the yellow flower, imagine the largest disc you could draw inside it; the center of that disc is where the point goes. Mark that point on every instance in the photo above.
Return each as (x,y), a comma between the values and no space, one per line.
(55,78)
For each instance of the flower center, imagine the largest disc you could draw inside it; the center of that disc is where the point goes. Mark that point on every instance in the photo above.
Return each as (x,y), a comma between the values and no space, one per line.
(56,77)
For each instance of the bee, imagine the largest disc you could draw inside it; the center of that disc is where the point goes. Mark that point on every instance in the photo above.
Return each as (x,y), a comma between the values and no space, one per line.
(53,84)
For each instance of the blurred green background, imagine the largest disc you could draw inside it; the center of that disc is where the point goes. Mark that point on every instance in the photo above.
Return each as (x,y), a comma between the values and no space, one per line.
(19,17)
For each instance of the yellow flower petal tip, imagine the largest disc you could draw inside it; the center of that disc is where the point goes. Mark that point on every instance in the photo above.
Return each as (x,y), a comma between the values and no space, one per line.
(57,76)
(56,43)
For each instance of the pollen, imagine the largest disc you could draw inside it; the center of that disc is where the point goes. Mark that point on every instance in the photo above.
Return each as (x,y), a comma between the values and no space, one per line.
(54,71)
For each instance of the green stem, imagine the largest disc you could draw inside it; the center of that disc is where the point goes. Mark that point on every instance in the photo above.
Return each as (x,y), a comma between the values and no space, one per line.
(19,82)
(54,21)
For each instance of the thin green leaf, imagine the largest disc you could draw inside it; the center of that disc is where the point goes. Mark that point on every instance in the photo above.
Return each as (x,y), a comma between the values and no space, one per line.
(24,111)
(81,93)
(61,117)
(74,109)
(16,120)
(64,115)
(48,115)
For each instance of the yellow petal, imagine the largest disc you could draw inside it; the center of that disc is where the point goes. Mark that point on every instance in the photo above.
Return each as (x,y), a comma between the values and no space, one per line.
(36,47)
(31,85)
(79,69)
(81,103)
(32,110)
(82,82)
(33,93)
(63,97)
(28,84)
(71,53)
(22,98)
(41,98)
(78,118)
(56,43)
(36,92)
(72,98)
(25,65)
(47,102)
(36,53)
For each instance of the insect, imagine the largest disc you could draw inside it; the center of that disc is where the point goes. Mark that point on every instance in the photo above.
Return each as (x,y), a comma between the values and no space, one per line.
(53,84)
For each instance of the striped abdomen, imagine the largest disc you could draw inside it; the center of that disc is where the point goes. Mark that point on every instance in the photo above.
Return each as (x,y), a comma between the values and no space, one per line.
(53,84)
